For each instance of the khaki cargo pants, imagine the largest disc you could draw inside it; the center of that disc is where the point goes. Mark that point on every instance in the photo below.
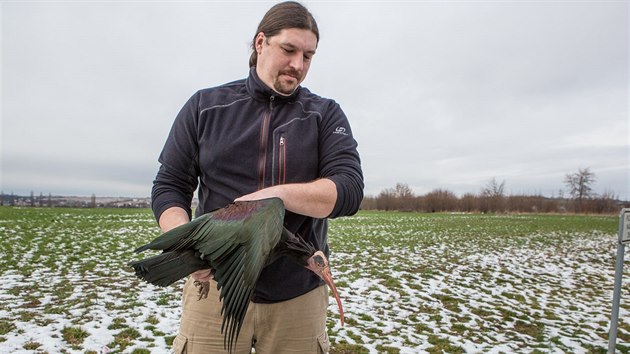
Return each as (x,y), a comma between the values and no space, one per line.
(293,326)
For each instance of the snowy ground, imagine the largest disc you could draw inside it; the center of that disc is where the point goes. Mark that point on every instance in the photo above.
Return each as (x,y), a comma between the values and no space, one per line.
(410,283)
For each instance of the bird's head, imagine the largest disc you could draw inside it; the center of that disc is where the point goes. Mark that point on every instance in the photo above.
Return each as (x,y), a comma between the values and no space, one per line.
(318,264)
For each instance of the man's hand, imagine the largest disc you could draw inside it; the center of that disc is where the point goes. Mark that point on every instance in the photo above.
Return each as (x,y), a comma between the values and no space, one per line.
(315,199)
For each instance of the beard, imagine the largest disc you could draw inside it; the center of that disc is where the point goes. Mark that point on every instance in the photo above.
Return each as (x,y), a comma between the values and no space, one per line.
(286,86)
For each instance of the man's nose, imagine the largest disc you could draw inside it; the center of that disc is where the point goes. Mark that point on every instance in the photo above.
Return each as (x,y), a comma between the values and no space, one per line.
(297,62)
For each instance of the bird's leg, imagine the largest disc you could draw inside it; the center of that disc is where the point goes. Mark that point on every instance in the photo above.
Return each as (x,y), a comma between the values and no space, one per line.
(202,281)
(204,288)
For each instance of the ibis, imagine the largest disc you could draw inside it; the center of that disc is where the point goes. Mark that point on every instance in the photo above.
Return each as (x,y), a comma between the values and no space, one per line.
(236,242)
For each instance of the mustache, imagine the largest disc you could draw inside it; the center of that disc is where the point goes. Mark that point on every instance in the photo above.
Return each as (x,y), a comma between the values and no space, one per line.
(294,73)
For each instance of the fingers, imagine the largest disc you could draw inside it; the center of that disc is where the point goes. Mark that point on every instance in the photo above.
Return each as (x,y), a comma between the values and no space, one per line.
(265,193)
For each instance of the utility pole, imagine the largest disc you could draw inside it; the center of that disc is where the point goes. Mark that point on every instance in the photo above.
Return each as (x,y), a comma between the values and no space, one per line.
(624,237)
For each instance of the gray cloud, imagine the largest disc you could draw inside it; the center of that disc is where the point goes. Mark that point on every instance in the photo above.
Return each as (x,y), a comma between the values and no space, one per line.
(439,94)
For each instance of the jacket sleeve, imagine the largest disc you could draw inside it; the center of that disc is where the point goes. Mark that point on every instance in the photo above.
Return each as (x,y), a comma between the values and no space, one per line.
(340,161)
(177,177)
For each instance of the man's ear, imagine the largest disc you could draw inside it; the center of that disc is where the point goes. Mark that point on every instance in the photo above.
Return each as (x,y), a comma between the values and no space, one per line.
(260,38)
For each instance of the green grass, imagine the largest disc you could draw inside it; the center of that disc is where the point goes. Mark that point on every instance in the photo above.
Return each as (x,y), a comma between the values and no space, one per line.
(451,249)
(74,336)
(345,348)
(418,280)
(124,338)
(6,326)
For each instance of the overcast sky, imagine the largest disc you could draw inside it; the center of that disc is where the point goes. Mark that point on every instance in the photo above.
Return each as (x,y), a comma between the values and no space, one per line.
(440,94)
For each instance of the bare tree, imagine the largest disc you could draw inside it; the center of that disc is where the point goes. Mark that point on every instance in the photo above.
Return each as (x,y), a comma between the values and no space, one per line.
(440,200)
(492,199)
(404,197)
(580,186)
(468,203)
(369,203)
(386,199)
(580,183)
(403,191)
(493,188)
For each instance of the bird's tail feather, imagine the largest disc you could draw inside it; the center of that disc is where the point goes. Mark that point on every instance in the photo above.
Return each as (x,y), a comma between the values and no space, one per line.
(168,267)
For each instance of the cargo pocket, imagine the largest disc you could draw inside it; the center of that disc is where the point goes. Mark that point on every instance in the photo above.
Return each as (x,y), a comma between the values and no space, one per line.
(179,344)
(323,342)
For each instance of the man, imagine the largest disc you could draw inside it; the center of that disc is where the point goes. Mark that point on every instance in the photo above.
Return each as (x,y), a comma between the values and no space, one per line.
(263,136)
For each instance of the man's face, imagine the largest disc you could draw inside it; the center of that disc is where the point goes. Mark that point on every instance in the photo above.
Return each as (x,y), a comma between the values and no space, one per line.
(284,59)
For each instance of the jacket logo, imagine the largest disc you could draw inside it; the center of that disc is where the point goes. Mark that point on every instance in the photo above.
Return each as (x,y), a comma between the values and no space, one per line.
(340,130)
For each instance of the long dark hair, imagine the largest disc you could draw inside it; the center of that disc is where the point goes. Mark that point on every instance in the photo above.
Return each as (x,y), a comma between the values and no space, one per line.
(289,14)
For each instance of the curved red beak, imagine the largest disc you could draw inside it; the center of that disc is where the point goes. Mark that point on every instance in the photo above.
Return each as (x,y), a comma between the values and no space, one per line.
(318,264)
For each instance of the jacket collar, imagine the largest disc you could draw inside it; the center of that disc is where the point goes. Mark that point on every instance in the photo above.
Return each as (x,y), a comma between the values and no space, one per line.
(260,91)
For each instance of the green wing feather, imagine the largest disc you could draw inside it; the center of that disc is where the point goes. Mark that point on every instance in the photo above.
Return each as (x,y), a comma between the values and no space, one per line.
(235,242)
(168,267)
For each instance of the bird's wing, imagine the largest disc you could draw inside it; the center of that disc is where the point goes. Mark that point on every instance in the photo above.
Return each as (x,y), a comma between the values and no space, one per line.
(168,267)
(236,244)
(177,238)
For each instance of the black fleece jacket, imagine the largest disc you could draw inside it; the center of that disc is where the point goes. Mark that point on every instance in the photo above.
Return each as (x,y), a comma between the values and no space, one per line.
(241,137)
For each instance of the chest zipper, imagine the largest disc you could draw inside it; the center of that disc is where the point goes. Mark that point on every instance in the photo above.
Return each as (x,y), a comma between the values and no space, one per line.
(282,158)
(264,137)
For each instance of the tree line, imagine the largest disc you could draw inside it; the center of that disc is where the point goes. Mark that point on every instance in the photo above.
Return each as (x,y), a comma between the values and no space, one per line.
(492,199)
(58,201)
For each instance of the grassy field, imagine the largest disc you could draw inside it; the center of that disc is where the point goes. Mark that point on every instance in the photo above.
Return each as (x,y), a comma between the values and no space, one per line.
(410,283)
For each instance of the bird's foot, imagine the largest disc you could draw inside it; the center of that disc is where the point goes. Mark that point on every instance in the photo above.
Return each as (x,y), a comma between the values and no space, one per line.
(204,288)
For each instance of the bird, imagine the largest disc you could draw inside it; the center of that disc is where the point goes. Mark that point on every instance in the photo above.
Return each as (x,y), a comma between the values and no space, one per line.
(236,242)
